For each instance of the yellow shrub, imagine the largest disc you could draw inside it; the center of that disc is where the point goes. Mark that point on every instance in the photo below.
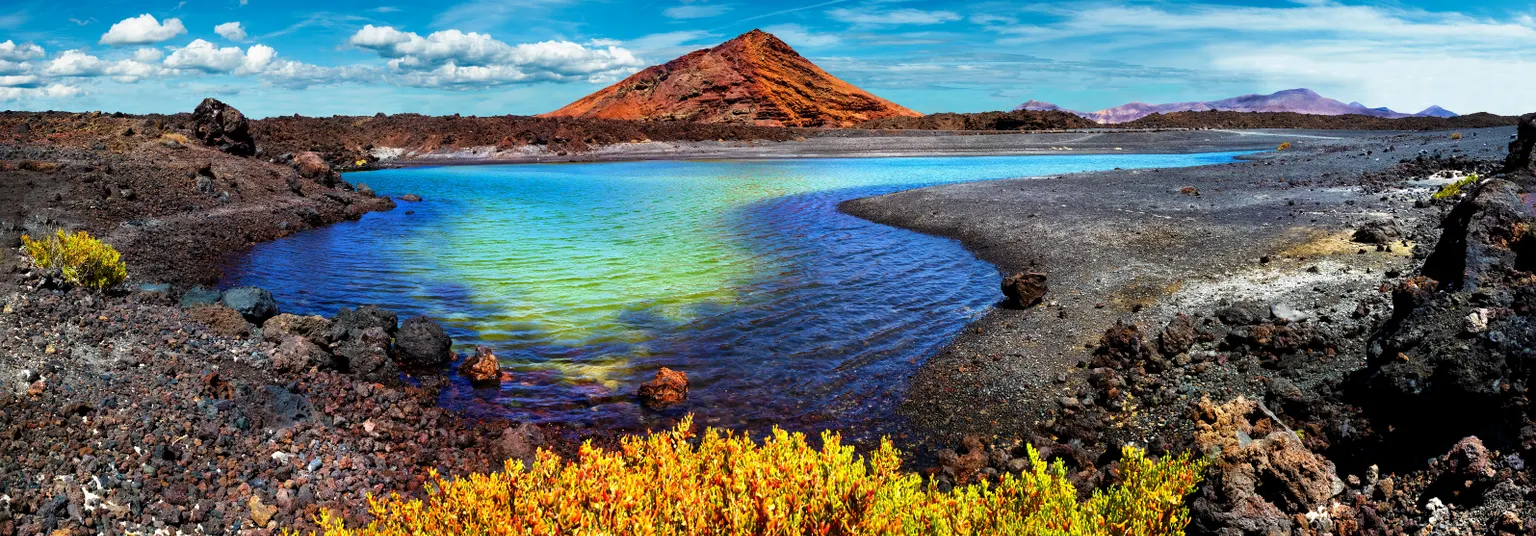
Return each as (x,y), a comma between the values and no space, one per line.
(1283,146)
(176,137)
(1450,190)
(1456,136)
(663,484)
(84,261)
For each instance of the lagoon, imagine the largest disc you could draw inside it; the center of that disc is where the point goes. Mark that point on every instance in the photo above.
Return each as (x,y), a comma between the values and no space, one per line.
(586,278)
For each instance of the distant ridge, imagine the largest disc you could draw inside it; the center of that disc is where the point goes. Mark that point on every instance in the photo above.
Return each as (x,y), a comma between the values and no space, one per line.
(1300,100)
(754,79)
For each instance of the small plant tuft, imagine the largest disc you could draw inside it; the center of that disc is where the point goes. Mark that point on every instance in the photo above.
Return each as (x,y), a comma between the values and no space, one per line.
(1283,146)
(83,260)
(677,482)
(1453,189)
(1456,136)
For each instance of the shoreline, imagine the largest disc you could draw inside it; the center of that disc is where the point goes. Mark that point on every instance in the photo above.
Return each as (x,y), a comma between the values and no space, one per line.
(315,438)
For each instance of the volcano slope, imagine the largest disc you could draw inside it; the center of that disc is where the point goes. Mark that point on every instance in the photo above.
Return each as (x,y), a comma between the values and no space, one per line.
(1315,319)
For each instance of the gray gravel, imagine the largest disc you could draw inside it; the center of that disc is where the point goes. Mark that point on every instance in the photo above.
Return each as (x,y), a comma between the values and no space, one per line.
(1141,246)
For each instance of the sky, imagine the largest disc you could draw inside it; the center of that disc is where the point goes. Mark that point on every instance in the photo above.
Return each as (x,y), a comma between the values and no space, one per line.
(493,57)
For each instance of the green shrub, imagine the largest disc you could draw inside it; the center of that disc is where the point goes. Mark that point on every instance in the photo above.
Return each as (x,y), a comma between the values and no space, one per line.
(84,261)
(727,484)
(1450,190)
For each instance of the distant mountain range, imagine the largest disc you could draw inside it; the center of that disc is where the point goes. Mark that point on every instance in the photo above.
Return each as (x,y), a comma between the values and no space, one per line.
(1301,100)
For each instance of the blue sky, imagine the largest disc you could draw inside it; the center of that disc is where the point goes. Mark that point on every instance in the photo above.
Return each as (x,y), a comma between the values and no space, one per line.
(479,57)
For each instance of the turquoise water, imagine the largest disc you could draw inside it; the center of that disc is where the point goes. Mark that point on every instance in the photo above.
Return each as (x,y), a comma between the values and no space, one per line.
(585,278)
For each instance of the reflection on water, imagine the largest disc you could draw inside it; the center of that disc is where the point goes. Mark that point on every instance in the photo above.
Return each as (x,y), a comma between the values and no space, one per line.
(585,278)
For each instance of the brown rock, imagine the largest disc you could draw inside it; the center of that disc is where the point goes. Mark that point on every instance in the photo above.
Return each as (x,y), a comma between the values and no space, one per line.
(410,198)
(965,466)
(481,367)
(670,387)
(1258,481)
(1121,347)
(297,354)
(280,327)
(1178,335)
(366,354)
(311,166)
(752,79)
(221,320)
(1024,289)
(221,125)
(1520,159)
(519,443)
(260,513)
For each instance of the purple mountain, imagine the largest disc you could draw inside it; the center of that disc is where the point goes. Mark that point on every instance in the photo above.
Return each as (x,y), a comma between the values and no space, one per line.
(1303,101)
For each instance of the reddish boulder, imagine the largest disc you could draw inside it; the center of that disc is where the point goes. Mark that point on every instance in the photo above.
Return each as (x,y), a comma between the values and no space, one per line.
(296,354)
(964,467)
(1178,336)
(311,166)
(1261,475)
(1024,289)
(221,320)
(481,367)
(669,388)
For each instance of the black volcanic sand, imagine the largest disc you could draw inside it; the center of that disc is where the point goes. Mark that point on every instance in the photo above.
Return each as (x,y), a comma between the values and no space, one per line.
(1129,245)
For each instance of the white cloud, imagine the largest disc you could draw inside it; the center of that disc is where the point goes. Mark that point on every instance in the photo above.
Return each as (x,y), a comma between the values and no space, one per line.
(695,11)
(11,51)
(148,55)
(143,29)
(76,63)
(1406,59)
(14,67)
(54,91)
(799,37)
(875,17)
(24,80)
(200,55)
(231,31)
(453,58)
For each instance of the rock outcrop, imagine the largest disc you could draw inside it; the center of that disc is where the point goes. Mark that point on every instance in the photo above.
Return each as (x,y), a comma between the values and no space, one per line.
(1519,161)
(670,387)
(422,343)
(220,125)
(752,79)
(1260,471)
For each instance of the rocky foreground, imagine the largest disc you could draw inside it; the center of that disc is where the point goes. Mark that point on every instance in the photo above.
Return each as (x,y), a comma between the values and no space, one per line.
(166,407)
(1353,351)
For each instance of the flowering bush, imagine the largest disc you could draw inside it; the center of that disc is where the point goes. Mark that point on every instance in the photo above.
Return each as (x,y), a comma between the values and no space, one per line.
(83,260)
(1452,189)
(726,484)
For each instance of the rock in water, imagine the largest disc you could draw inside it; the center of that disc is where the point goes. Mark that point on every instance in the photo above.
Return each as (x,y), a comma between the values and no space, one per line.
(669,388)
(421,342)
(1024,289)
(481,367)
(1519,161)
(221,125)
(255,304)
(413,198)
(349,322)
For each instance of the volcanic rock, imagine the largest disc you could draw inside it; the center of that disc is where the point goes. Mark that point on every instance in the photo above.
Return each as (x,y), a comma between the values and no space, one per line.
(313,167)
(1178,335)
(1485,237)
(255,304)
(350,321)
(421,342)
(366,354)
(221,320)
(964,467)
(1261,476)
(1379,232)
(1121,347)
(410,198)
(280,327)
(668,388)
(1519,160)
(481,367)
(752,79)
(199,296)
(221,125)
(1024,289)
(519,442)
(296,353)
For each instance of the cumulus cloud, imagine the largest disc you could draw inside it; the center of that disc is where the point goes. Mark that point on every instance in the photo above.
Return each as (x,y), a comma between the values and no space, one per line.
(77,63)
(877,17)
(53,91)
(14,67)
(200,55)
(10,51)
(232,31)
(22,80)
(141,30)
(148,55)
(452,58)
